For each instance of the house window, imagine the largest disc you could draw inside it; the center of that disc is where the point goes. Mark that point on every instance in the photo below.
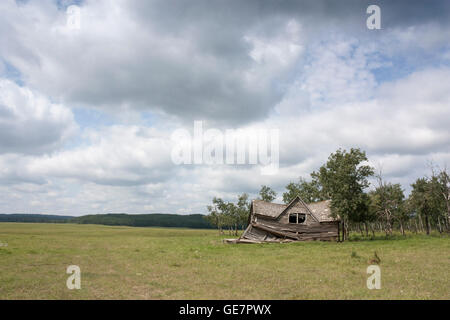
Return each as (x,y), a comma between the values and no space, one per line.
(301,218)
(293,218)
(297,218)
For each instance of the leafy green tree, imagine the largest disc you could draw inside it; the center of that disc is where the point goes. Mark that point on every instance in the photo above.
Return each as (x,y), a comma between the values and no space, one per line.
(427,200)
(224,214)
(343,179)
(442,182)
(308,191)
(365,212)
(420,200)
(231,217)
(267,194)
(217,213)
(243,209)
(388,203)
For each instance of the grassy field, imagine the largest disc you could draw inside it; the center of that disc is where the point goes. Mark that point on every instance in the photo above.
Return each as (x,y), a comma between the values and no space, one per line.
(157,263)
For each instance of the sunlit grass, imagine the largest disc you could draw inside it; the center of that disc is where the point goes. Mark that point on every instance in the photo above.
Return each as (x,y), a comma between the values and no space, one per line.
(163,263)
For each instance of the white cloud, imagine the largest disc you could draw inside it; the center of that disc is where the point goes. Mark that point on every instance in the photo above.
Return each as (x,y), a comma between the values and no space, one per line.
(322,84)
(117,155)
(128,168)
(29,122)
(119,59)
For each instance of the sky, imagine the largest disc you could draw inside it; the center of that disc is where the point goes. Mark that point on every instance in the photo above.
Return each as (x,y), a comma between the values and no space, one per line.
(88,109)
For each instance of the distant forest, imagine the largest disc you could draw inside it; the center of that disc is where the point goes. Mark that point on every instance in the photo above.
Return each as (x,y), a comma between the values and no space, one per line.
(196,221)
(23,217)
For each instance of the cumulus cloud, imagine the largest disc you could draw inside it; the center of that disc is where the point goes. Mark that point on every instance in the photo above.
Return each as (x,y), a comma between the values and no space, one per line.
(119,59)
(29,122)
(393,121)
(227,62)
(308,68)
(117,155)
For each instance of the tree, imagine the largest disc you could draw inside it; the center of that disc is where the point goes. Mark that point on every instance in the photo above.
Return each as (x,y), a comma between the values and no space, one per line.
(308,191)
(213,217)
(365,213)
(228,214)
(231,217)
(426,198)
(217,213)
(343,179)
(243,209)
(442,181)
(388,203)
(267,194)
(420,200)
(439,207)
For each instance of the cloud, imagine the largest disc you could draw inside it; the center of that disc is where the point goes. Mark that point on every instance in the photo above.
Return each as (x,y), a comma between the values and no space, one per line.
(29,122)
(121,60)
(136,71)
(227,63)
(128,167)
(399,119)
(116,155)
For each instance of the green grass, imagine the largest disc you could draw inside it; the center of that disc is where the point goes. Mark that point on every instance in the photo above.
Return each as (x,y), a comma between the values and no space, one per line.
(157,263)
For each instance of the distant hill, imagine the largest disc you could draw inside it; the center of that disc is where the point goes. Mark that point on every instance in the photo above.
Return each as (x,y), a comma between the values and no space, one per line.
(24,217)
(196,221)
(146,220)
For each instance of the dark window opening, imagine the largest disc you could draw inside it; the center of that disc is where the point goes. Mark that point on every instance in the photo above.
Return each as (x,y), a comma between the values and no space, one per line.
(293,218)
(301,218)
(297,218)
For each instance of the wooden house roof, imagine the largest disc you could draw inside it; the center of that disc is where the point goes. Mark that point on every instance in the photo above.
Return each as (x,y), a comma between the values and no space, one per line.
(319,210)
(268,209)
(322,210)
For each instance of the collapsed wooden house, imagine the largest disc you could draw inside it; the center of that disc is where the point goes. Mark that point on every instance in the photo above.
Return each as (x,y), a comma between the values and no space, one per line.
(296,221)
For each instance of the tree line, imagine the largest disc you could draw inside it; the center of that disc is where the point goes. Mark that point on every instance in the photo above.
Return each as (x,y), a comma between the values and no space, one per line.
(344,179)
(196,221)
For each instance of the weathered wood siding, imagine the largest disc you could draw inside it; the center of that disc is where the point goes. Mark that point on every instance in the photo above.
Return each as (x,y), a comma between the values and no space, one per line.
(309,230)
(299,231)
(297,208)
